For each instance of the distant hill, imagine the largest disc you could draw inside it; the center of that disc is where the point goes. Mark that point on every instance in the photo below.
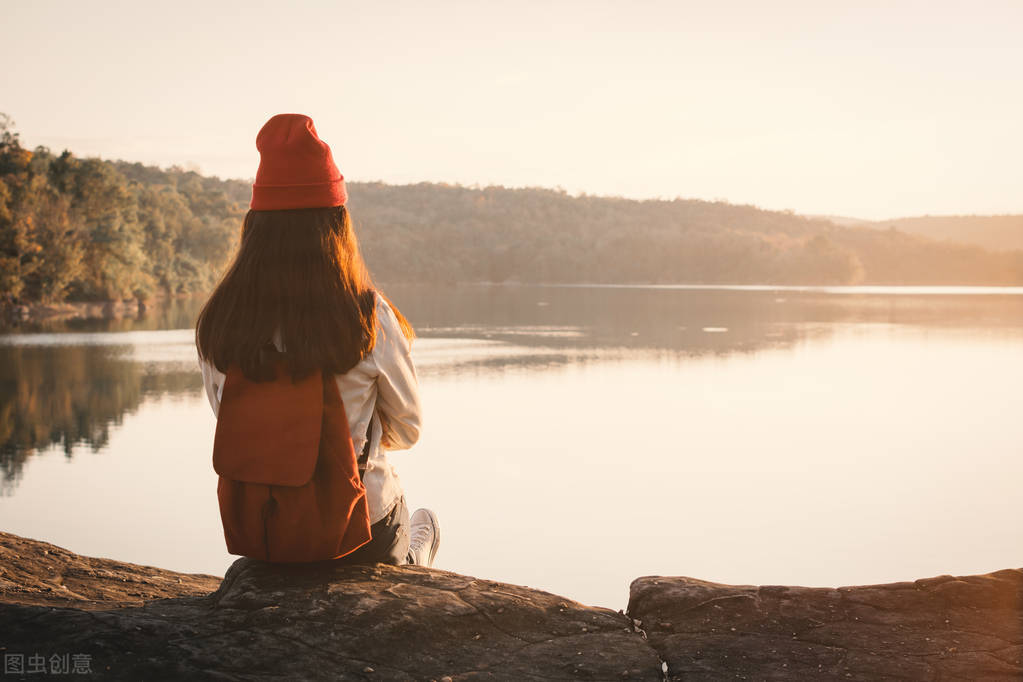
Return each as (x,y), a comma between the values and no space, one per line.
(429,232)
(89,229)
(995,232)
(844,221)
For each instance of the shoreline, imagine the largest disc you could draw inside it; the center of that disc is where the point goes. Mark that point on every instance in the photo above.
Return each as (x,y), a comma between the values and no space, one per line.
(38,312)
(14,314)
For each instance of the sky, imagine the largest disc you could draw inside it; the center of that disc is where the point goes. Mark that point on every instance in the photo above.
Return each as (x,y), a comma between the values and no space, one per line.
(864,109)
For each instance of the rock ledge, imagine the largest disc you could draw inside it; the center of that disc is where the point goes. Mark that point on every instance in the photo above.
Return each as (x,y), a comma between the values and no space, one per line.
(325,621)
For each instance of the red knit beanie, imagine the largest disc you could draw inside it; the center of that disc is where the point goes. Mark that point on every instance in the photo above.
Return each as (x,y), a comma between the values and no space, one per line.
(296,168)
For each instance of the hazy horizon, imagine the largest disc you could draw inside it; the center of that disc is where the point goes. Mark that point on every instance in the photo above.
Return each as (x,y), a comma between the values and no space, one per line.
(868,111)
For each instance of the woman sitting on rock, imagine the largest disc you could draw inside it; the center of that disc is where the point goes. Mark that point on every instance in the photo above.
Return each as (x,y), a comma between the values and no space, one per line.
(295,315)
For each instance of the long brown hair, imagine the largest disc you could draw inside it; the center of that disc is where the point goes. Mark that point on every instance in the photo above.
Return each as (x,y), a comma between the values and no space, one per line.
(299,272)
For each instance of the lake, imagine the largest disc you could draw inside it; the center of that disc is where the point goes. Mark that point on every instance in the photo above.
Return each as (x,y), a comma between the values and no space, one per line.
(578,437)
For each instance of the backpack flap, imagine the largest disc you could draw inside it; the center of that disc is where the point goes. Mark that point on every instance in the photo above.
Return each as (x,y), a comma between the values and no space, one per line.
(268,432)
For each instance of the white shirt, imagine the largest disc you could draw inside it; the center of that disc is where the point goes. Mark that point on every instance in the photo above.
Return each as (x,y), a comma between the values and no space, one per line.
(384,380)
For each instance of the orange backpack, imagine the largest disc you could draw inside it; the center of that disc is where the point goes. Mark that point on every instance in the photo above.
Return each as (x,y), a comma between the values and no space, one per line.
(289,487)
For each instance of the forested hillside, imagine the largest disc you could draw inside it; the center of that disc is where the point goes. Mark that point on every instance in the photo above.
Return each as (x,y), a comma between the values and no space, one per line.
(89,229)
(440,232)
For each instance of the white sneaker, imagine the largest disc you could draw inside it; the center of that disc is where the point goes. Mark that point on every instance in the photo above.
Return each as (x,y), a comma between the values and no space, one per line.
(425,537)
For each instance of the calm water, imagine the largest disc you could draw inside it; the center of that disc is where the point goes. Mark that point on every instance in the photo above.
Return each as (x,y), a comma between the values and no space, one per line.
(579,437)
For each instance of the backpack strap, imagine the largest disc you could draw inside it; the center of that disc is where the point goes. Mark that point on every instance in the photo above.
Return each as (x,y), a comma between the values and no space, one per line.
(363,460)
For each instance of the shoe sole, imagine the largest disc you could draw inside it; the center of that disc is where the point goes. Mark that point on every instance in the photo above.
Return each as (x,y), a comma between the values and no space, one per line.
(435,545)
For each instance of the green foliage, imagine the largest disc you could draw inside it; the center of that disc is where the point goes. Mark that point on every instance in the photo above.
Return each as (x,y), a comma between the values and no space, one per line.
(88,229)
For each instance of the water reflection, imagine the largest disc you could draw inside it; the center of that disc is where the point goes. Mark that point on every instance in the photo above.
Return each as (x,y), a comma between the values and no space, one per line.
(72,394)
(175,313)
(694,321)
(69,383)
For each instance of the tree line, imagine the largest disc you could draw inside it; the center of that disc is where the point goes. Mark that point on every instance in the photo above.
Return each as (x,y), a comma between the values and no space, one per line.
(436,232)
(91,229)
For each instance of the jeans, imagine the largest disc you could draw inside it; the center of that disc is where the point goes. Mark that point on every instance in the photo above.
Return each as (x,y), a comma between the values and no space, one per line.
(390,540)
